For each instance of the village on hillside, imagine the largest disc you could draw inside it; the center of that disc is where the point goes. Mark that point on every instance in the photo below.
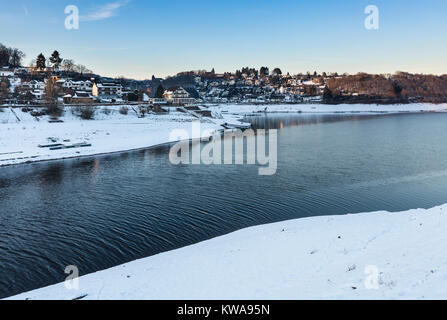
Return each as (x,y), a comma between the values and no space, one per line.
(65,83)
(61,81)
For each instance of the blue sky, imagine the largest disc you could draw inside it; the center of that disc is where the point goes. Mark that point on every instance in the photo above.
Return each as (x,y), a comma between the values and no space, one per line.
(139,38)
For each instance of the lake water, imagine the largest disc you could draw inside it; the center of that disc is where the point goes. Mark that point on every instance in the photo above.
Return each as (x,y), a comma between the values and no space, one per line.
(100,212)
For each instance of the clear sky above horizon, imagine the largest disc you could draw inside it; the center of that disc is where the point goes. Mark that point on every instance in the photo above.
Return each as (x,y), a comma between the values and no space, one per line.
(141,38)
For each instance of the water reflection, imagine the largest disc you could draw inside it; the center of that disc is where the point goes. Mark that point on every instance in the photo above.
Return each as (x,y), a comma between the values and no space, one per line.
(281,121)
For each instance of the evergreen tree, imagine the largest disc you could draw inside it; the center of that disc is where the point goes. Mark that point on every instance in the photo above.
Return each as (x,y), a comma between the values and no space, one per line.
(264,71)
(327,94)
(55,59)
(238,74)
(41,62)
(160,92)
(277,72)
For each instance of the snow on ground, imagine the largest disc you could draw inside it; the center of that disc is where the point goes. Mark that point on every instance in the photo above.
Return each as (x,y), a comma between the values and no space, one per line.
(113,132)
(324,108)
(312,258)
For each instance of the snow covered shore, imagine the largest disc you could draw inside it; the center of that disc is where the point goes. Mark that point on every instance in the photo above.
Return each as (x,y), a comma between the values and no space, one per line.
(325,108)
(314,258)
(21,134)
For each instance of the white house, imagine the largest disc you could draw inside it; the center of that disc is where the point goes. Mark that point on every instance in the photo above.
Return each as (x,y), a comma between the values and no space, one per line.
(77,85)
(34,85)
(4,73)
(38,94)
(107,90)
(178,96)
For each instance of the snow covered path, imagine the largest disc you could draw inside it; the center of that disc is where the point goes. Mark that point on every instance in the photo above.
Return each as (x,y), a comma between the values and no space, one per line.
(313,258)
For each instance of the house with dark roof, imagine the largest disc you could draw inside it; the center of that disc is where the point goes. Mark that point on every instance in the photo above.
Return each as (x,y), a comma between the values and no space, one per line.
(178,96)
(79,97)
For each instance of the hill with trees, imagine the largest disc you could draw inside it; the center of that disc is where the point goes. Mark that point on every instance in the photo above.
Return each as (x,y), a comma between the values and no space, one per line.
(401,87)
(10,57)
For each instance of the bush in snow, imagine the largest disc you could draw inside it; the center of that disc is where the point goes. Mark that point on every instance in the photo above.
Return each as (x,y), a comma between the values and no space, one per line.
(124,110)
(53,110)
(86,112)
(36,113)
(143,112)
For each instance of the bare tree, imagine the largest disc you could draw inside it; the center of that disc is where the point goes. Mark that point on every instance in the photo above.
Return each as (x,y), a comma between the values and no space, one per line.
(80,68)
(16,57)
(4,55)
(51,96)
(4,89)
(68,65)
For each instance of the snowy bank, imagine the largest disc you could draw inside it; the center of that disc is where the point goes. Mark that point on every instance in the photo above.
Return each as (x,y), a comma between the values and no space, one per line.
(313,258)
(325,108)
(21,134)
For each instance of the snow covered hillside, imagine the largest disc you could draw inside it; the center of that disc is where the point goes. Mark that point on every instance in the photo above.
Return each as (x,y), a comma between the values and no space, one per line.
(334,257)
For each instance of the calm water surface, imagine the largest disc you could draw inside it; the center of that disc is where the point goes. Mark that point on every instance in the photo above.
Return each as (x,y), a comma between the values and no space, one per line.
(100,212)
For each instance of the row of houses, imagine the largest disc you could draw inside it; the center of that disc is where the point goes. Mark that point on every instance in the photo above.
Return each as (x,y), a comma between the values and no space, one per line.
(261,86)
(88,91)
(248,85)
(72,90)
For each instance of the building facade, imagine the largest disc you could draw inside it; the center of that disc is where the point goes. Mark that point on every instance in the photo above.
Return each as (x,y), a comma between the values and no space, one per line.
(107,90)
(178,96)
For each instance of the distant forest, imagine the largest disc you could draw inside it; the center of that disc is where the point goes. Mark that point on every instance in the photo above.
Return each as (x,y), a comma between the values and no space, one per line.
(398,88)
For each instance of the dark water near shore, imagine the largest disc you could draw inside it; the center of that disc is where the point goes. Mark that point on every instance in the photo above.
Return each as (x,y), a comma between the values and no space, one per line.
(103,211)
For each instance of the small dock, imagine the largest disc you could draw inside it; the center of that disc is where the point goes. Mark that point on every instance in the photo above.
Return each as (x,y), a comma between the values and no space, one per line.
(60,146)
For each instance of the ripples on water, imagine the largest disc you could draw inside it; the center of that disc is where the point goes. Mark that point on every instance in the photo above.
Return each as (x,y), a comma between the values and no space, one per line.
(103,211)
